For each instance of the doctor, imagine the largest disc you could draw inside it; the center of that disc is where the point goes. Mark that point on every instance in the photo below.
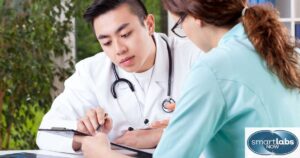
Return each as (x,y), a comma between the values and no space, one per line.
(131,83)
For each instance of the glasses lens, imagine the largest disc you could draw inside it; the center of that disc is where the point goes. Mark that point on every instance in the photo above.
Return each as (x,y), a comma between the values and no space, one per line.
(179,31)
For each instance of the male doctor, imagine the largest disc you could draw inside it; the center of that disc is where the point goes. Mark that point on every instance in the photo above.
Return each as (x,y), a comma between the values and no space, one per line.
(127,87)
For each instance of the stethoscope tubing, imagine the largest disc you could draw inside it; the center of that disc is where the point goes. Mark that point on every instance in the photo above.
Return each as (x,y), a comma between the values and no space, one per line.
(168,100)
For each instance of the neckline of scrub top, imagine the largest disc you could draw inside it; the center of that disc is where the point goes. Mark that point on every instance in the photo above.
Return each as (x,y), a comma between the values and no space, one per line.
(236,31)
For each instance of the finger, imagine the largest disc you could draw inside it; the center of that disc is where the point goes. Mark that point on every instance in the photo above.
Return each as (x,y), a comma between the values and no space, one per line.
(94,123)
(107,125)
(88,125)
(119,140)
(92,115)
(171,106)
(78,139)
(108,122)
(122,139)
(81,127)
(165,122)
(100,115)
(160,124)
(154,124)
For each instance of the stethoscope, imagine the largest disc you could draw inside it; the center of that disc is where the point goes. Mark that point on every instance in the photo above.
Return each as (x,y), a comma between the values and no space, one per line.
(165,102)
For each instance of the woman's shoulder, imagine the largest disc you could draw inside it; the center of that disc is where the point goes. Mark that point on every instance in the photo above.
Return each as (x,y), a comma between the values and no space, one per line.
(228,61)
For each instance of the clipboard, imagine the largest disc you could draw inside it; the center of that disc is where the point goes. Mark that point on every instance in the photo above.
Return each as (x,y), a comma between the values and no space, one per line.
(137,152)
(64,131)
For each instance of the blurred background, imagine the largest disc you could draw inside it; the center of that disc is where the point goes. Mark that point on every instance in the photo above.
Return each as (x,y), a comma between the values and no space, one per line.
(40,42)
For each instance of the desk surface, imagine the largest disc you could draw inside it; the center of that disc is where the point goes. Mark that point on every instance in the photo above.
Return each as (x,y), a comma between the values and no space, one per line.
(68,155)
(42,152)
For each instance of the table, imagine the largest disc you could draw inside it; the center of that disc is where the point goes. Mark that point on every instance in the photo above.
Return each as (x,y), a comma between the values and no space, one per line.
(65,155)
(43,152)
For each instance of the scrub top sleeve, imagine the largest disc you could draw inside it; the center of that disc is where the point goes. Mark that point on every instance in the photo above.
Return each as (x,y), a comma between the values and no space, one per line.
(199,114)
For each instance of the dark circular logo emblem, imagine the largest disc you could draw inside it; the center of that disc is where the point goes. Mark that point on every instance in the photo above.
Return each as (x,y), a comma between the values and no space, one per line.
(278,142)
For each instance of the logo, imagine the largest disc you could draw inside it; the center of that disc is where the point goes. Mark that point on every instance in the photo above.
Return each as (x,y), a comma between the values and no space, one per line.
(277,142)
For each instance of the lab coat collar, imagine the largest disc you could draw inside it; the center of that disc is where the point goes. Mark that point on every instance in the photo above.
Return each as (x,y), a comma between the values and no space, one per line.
(237,31)
(161,65)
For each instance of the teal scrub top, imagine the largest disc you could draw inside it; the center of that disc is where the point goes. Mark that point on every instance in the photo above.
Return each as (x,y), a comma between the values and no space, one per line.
(228,89)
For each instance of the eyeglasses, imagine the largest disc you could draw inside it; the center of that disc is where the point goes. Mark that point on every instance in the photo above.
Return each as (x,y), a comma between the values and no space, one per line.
(177,28)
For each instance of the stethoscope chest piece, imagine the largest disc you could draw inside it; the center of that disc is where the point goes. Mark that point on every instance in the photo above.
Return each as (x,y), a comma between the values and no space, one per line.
(166,102)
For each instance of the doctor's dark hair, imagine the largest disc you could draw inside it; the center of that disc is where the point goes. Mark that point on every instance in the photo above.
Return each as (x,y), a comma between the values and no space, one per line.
(269,36)
(99,7)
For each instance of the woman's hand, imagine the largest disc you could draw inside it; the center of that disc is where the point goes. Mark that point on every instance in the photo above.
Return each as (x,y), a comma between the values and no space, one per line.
(96,146)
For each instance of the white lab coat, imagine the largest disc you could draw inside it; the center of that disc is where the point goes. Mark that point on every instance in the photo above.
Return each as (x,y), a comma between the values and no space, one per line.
(90,87)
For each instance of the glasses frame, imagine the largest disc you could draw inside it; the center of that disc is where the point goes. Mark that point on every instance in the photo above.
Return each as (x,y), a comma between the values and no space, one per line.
(180,21)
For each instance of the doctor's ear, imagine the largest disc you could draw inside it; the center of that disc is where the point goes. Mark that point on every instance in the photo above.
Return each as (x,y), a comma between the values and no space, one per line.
(150,24)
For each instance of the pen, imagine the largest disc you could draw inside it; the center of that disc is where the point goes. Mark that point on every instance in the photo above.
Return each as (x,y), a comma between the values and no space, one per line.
(98,128)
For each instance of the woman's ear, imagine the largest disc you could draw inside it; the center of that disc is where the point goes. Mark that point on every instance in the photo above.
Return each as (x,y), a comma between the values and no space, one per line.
(150,24)
(198,22)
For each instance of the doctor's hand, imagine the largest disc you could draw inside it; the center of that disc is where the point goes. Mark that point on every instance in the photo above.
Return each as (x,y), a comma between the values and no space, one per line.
(143,138)
(90,123)
(163,123)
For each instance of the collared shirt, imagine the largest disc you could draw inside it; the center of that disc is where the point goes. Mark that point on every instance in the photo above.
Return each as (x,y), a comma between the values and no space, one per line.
(228,89)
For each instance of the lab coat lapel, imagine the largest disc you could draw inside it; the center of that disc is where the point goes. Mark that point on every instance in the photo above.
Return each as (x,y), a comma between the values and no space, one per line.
(153,97)
(131,103)
(160,77)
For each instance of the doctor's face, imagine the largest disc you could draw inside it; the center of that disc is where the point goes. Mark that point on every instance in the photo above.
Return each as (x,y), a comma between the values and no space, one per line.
(125,40)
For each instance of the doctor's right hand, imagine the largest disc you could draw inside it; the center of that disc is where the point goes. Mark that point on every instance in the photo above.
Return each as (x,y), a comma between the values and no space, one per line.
(90,123)
(163,123)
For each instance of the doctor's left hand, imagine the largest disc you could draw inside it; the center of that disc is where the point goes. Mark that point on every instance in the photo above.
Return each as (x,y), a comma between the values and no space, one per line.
(148,138)
(143,138)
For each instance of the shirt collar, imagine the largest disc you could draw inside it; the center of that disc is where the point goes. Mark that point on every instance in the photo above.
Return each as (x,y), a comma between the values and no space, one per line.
(237,31)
